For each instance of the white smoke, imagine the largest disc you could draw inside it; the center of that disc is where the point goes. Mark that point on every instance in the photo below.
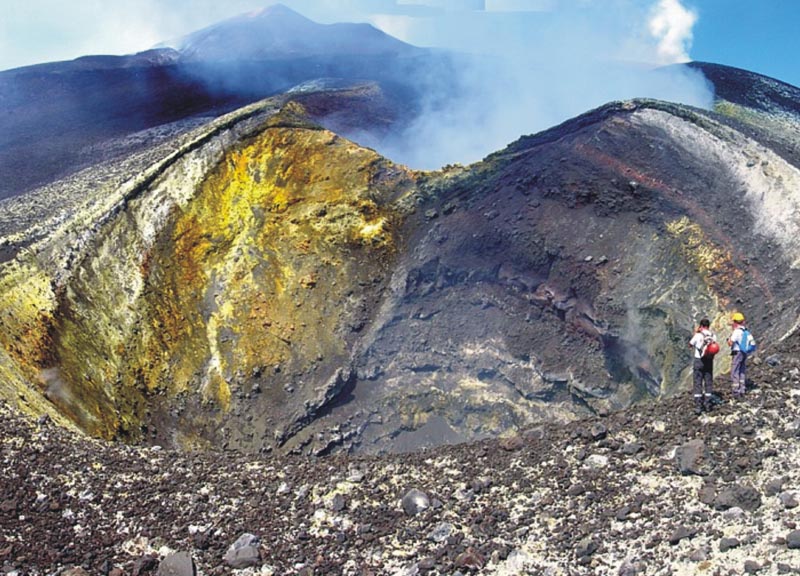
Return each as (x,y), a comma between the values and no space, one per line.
(546,65)
(672,24)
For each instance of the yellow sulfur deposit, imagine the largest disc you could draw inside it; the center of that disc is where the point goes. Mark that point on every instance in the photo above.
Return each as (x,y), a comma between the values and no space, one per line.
(272,241)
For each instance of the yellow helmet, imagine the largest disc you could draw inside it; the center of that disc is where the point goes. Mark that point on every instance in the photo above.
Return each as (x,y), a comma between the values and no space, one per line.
(737,317)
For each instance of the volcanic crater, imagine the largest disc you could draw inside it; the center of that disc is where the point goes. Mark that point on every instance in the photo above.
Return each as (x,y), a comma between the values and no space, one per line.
(239,283)
(269,285)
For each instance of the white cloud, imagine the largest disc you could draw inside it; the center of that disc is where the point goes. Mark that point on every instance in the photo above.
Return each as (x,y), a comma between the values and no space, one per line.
(33,31)
(671,25)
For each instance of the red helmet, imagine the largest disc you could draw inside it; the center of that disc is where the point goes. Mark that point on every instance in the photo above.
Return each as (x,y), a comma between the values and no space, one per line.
(712,349)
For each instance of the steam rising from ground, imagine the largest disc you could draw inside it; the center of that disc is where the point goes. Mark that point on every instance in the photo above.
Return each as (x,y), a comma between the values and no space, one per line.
(542,66)
(500,100)
(672,25)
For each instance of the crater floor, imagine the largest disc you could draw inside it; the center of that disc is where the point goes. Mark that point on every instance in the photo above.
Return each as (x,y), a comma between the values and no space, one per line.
(651,490)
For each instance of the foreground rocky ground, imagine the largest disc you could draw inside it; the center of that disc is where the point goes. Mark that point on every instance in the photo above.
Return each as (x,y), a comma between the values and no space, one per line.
(652,490)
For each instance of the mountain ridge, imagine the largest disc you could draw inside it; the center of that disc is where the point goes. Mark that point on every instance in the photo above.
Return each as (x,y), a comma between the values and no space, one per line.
(94,100)
(277,31)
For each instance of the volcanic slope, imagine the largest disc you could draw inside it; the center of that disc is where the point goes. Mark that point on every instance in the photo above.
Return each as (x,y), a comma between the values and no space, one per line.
(765,109)
(263,284)
(62,117)
(565,273)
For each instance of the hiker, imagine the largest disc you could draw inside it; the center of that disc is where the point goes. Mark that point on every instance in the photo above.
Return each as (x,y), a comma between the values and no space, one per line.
(704,344)
(742,343)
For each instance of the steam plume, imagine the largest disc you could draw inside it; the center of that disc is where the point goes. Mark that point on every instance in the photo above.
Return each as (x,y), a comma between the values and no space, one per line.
(672,25)
(543,66)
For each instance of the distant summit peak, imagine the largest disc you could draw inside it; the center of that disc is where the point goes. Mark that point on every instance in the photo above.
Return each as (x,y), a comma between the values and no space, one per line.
(276,9)
(278,32)
(273,11)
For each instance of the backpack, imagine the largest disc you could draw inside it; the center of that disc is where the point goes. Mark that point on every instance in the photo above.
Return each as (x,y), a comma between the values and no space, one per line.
(710,346)
(747,343)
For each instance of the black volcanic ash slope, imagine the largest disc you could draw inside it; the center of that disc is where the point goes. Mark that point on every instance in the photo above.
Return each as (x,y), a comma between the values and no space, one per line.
(564,274)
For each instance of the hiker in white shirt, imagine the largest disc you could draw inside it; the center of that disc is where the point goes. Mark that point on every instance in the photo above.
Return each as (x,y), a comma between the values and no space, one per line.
(742,344)
(704,344)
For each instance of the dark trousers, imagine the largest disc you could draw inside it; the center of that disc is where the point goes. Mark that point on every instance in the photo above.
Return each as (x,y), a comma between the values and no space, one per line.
(703,374)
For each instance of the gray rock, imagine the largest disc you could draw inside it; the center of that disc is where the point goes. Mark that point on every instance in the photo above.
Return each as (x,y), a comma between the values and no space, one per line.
(628,568)
(622,513)
(576,489)
(244,553)
(598,431)
(745,497)
(699,555)
(727,543)
(597,461)
(534,434)
(691,456)
(144,564)
(478,485)
(178,564)
(793,540)
(338,503)
(752,567)
(415,501)
(708,493)
(512,443)
(774,486)
(470,558)
(681,533)
(442,532)
(632,448)
(788,500)
(586,547)
(734,513)
(355,475)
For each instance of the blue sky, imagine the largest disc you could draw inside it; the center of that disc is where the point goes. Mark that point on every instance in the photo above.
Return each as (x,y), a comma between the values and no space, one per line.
(560,58)
(759,35)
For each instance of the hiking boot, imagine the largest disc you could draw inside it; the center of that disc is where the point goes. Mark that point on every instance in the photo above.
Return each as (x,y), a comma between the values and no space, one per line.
(708,405)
